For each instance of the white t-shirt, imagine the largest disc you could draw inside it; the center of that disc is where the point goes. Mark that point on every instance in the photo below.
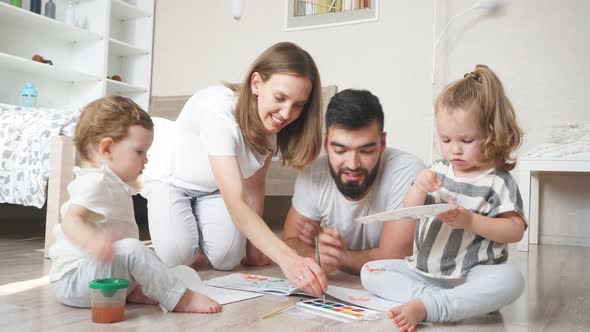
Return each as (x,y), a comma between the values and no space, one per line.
(205,127)
(443,252)
(316,197)
(109,198)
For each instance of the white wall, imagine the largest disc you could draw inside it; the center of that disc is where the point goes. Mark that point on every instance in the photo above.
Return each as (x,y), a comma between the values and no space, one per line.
(539,48)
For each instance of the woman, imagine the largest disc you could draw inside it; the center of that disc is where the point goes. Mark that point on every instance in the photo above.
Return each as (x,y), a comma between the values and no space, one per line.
(205,189)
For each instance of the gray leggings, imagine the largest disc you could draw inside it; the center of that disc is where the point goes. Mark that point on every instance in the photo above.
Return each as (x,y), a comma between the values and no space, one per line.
(132,261)
(483,289)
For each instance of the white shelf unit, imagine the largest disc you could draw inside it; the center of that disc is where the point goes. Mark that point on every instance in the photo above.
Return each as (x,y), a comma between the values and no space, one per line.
(115,39)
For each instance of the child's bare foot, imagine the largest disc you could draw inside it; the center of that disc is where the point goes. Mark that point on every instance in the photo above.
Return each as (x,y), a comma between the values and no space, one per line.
(137,296)
(408,315)
(196,302)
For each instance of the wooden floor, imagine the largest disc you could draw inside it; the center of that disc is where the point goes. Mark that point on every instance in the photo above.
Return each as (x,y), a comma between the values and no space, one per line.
(557,298)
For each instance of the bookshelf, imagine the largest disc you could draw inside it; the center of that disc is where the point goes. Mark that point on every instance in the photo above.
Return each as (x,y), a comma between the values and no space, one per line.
(110,37)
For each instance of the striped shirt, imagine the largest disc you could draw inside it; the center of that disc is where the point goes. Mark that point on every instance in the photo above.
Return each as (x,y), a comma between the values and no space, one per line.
(443,252)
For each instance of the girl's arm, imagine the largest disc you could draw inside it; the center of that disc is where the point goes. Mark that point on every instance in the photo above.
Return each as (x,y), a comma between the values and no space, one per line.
(255,188)
(508,227)
(78,229)
(303,272)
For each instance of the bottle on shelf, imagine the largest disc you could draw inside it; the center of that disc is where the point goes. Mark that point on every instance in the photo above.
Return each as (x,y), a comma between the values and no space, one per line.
(50,9)
(17,3)
(35,6)
(70,17)
(28,95)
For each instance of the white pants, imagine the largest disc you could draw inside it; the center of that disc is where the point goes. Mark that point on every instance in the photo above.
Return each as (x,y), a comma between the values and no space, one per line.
(483,289)
(132,261)
(181,221)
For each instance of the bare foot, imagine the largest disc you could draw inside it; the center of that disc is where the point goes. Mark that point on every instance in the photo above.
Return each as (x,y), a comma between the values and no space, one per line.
(137,296)
(196,302)
(201,263)
(408,315)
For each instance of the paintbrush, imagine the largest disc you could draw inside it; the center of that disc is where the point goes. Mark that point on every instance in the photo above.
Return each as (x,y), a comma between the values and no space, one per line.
(278,311)
(317,254)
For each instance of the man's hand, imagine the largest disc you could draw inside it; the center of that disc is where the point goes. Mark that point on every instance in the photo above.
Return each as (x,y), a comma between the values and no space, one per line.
(307,230)
(333,252)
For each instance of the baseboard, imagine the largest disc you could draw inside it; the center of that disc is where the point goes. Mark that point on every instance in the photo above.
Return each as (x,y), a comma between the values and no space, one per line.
(565,240)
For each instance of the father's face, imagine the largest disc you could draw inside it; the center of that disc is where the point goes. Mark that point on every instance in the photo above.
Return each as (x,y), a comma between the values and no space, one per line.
(354,157)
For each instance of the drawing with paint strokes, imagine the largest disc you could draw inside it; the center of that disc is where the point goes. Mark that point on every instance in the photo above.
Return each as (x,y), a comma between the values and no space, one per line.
(256,283)
(361,298)
(414,212)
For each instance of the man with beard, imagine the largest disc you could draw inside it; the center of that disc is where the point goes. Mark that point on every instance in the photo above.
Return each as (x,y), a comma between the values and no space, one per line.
(359,176)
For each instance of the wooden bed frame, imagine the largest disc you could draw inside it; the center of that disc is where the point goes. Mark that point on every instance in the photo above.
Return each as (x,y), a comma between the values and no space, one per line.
(280,180)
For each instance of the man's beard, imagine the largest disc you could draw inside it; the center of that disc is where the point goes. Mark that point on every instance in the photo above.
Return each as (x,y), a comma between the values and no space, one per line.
(355,189)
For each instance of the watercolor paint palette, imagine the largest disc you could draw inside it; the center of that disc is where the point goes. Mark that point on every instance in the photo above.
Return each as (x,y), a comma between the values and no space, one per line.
(338,309)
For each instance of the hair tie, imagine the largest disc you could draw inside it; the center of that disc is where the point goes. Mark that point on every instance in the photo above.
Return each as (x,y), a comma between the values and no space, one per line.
(473,75)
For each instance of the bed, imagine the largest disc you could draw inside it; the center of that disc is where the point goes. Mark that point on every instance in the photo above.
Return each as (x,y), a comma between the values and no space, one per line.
(29,140)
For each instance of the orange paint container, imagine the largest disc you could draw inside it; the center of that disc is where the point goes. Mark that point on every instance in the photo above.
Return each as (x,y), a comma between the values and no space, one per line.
(107,298)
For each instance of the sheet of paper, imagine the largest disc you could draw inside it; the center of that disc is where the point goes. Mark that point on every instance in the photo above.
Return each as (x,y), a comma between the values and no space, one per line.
(191,280)
(361,298)
(413,212)
(255,283)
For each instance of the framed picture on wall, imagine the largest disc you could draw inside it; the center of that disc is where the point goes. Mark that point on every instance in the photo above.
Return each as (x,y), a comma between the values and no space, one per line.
(311,14)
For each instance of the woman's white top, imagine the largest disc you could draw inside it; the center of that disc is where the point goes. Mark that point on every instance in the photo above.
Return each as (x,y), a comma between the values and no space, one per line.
(205,127)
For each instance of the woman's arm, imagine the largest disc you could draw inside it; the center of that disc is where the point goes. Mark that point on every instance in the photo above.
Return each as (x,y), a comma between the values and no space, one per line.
(255,187)
(79,230)
(303,272)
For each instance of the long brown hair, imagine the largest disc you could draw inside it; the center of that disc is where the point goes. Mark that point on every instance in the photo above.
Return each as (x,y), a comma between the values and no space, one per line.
(108,117)
(482,91)
(300,142)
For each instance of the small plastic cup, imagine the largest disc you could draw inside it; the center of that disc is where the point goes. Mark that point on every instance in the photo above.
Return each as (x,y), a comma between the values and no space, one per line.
(107,298)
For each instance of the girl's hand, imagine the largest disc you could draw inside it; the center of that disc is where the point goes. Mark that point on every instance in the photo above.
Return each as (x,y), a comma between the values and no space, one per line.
(306,274)
(427,181)
(458,218)
(102,247)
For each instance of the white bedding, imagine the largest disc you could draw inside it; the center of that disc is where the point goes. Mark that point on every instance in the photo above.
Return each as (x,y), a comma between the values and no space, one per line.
(25,136)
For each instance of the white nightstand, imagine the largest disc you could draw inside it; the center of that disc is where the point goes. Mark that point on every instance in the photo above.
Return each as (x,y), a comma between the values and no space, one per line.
(529,170)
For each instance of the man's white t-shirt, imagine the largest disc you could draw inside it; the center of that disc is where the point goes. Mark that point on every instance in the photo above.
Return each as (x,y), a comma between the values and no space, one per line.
(109,198)
(316,197)
(205,127)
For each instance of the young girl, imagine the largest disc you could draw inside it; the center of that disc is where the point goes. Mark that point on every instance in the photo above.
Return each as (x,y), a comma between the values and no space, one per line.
(457,268)
(98,237)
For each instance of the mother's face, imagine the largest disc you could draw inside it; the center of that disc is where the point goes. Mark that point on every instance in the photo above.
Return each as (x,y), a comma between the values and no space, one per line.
(281,99)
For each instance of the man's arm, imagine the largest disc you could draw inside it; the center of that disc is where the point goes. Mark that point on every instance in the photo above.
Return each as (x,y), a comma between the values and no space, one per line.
(293,234)
(395,243)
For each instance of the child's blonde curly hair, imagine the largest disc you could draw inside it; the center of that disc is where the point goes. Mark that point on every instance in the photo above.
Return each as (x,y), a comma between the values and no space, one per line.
(482,91)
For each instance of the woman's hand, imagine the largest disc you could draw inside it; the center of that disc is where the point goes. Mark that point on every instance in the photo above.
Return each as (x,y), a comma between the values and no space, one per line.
(306,274)
(427,181)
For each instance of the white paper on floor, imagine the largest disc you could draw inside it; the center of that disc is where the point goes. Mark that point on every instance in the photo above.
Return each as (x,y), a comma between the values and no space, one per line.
(191,280)
(362,298)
